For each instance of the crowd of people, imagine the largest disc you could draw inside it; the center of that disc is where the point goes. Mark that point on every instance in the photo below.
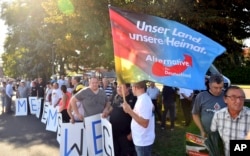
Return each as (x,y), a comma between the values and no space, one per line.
(134,108)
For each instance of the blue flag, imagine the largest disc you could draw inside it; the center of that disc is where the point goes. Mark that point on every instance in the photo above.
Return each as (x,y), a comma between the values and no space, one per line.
(152,48)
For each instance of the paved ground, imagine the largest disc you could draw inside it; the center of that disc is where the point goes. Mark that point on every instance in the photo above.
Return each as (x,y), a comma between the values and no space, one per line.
(26,136)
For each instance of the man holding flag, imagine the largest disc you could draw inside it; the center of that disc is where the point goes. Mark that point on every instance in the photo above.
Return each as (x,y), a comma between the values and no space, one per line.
(143,122)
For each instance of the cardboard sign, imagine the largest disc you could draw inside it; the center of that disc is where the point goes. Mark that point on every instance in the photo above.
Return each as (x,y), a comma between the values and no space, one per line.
(52,119)
(195,145)
(21,107)
(45,112)
(73,140)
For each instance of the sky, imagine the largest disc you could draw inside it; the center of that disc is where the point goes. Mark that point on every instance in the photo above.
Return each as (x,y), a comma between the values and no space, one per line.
(3,31)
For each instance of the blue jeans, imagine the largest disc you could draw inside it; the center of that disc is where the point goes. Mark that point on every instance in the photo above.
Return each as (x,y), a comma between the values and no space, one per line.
(143,150)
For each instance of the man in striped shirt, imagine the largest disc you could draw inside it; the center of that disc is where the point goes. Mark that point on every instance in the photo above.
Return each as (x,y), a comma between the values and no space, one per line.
(107,88)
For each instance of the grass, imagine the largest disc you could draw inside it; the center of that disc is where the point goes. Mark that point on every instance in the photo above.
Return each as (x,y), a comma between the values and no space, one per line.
(172,143)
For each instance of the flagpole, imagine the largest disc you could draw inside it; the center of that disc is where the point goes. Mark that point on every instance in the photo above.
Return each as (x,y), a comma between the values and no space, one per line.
(123,93)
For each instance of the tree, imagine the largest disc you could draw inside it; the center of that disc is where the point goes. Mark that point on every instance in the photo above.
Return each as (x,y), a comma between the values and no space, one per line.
(25,38)
(79,31)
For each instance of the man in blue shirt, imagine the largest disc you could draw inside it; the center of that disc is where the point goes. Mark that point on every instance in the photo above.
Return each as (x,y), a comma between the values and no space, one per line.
(9,94)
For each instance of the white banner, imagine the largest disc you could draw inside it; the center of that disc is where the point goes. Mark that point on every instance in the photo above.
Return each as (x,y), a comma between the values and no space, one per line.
(52,119)
(21,107)
(45,112)
(59,128)
(73,141)
(38,110)
(33,104)
(107,138)
(94,134)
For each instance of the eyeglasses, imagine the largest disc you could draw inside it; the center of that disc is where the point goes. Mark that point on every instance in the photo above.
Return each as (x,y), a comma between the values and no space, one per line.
(234,98)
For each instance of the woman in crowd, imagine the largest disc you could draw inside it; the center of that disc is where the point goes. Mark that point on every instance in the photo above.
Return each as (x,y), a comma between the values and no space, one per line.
(64,102)
(71,113)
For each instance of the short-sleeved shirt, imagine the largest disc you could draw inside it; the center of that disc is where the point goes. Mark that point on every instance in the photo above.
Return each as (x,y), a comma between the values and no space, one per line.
(33,91)
(120,120)
(206,105)
(56,95)
(68,94)
(93,103)
(168,94)
(153,92)
(40,90)
(144,108)
(186,92)
(108,90)
(23,91)
(229,128)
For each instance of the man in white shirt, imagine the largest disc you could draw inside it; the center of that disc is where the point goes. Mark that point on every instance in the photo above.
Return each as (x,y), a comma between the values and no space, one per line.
(143,122)
(61,81)
(153,93)
(56,95)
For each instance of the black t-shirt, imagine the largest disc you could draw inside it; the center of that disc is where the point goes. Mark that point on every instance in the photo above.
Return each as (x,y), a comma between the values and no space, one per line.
(168,94)
(40,89)
(120,120)
(33,91)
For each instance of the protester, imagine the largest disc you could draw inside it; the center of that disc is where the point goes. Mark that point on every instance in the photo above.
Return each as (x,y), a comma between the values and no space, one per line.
(120,121)
(207,103)
(9,94)
(35,81)
(114,89)
(77,85)
(73,115)
(186,96)
(61,81)
(64,103)
(94,101)
(168,100)
(40,94)
(143,122)
(56,95)
(48,92)
(23,92)
(85,80)
(69,86)
(3,96)
(33,90)
(107,88)
(153,93)
(232,122)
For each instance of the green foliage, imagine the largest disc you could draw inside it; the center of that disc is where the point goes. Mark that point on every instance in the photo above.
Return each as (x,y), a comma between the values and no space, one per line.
(83,25)
(238,74)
